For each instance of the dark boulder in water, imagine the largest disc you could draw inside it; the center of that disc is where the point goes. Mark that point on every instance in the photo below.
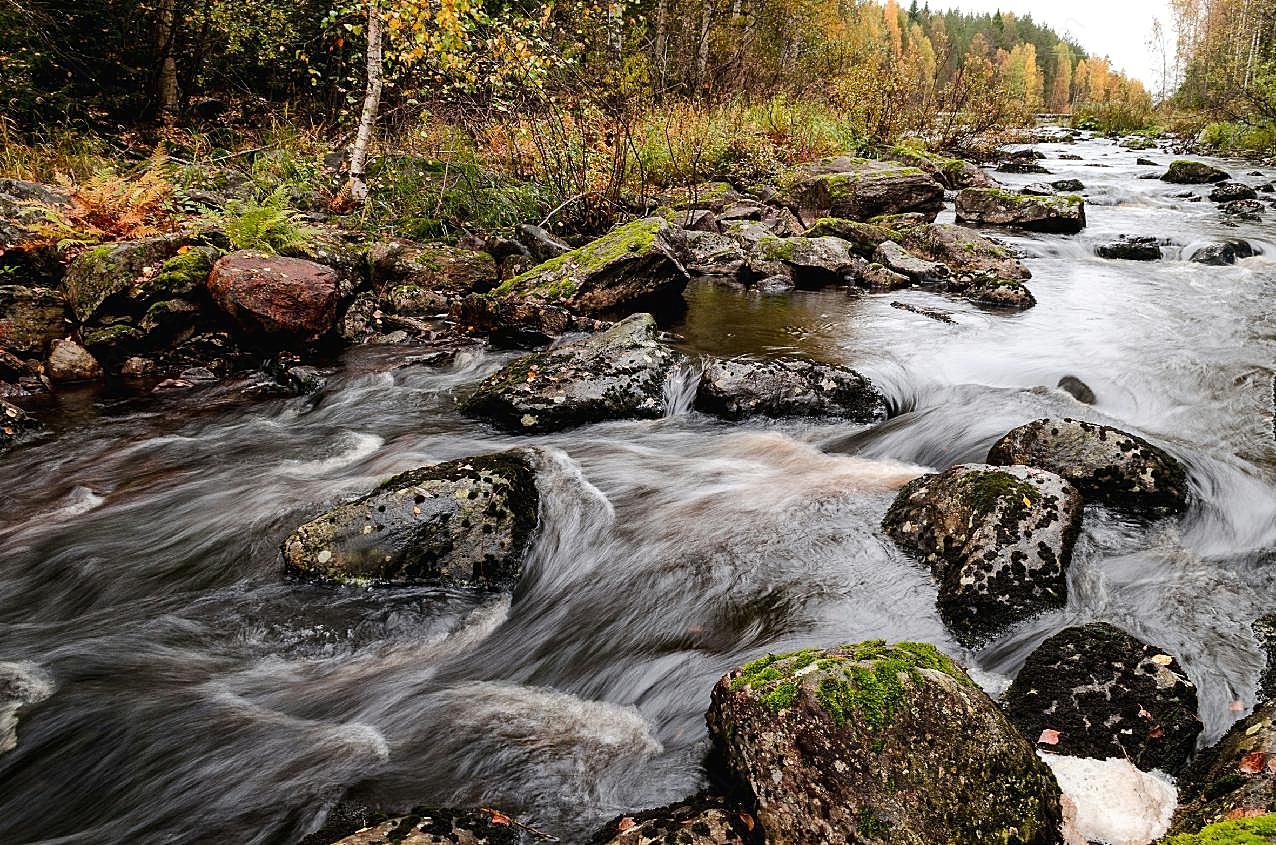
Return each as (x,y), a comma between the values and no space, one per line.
(999,539)
(1107,465)
(878,745)
(1222,254)
(1131,249)
(1183,172)
(1235,776)
(1079,389)
(738,388)
(1231,191)
(1096,691)
(464,523)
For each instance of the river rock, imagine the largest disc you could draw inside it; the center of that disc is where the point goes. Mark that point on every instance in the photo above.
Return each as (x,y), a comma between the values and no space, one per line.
(810,262)
(1222,254)
(1245,830)
(953,173)
(861,189)
(426,278)
(104,271)
(999,539)
(269,295)
(1018,166)
(710,254)
(995,292)
(1037,189)
(880,745)
(1184,172)
(69,361)
(874,276)
(1078,389)
(542,245)
(25,209)
(1095,691)
(895,258)
(738,388)
(512,324)
(464,523)
(703,819)
(1236,776)
(15,424)
(1230,191)
(1068,186)
(962,250)
(1105,464)
(619,373)
(419,826)
(1131,249)
(30,318)
(995,207)
(864,238)
(1244,209)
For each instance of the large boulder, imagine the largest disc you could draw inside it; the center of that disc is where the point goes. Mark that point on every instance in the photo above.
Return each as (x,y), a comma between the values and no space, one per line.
(738,388)
(953,173)
(1184,172)
(1223,254)
(999,539)
(424,278)
(962,250)
(25,210)
(1105,464)
(419,826)
(1232,191)
(879,745)
(274,297)
(703,819)
(995,207)
(619,373)
(864,238)
(104,271)
(1235,777)
(1095,691)
(632,265)
(710,254)
(809,262)
(30,318)
(69,361)
(463,523)
(861,189)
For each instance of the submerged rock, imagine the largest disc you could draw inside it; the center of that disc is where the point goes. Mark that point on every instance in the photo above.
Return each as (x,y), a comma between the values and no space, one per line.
(703,819)
(736,389)
(1131,249)
(273,297)
(1233,777)
(619,373)
(1184,172)
(633,264)
(1096,691)
(463,523)
(995,207)
(881,745)
(1231,191)
(1068,186)
(419,826)
(1079,389)
(1222,254)
(860,189)
(999,539)
(1106,465)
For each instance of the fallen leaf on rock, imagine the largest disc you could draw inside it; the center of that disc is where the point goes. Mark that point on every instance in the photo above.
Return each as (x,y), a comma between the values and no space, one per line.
(1049,737)
(497,816)
(1244,813)
(1252,764)
(625,823)
(746,820)
(1162,659)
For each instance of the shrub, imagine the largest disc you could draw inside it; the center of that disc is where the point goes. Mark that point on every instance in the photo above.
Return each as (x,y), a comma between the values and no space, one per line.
(271,226)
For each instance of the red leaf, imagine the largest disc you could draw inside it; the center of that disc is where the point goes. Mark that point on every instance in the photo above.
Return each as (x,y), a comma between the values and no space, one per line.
(625,823)
(1252,764)
(1049,737)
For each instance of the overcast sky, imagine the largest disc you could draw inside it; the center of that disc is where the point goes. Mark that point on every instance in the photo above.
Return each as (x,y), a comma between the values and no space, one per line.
(1118,29)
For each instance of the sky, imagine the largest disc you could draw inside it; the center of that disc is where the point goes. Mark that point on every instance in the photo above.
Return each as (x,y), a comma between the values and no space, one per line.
(1118,29)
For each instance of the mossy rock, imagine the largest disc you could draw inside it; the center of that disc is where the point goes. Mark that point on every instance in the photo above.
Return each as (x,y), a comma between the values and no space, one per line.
(809,262)
(632,265)
(447,272)
(962,250)
(1064,214)
(31,318)
(999,539)
(951,172)
(1233,776)
(349,824)
(181,275)
(1256,830)
(859,189)
(1184,172)
(103,271)
(864,238)
(877,743)
(463,523)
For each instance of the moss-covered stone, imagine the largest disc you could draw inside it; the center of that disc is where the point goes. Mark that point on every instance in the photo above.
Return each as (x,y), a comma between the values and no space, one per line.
(104,271)
(181,275)
(864,238)
(1258,830)
(1235,775)
(878,743)
(30,318)
(1063,214)
(436,272)
(951,172)
(464,523)
(859,189)
(1184,172)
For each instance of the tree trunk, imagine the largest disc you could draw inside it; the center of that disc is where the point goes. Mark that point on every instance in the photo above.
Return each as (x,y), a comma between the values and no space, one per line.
(615,34)
(166,34)
(357,186)
(662,43)
(702,55)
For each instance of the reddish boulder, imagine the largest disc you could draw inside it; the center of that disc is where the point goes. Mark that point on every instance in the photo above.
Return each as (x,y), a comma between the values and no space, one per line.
(273,295)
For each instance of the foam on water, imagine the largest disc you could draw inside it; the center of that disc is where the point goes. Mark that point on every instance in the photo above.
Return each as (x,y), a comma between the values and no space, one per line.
(1112,802)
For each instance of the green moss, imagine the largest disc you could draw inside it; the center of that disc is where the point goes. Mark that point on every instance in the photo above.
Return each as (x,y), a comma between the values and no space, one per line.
(869,826)
(111,335)
(560,278)
(182,273)
(865,681)
(1259,830)
(986,489)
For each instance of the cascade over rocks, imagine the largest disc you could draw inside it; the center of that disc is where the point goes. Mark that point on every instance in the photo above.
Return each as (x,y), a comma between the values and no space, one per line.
(1236,776)
(738,388)
(861,189)
(633,264)
(463,523)
(703,819)
(616,374)
(270,296)
(1105,464)
(880,745)
(1183,172)
(995,207)
(999,539)
(1106,694)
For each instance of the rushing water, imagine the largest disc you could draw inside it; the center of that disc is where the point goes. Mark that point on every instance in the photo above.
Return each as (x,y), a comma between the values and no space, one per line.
(181,690)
